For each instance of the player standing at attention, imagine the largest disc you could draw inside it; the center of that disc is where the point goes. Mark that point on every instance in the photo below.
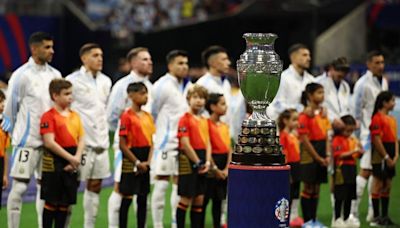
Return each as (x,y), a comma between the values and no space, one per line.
(194,158)
(90,91)
(288,122)
(366,90)
(142,67)
(385,153)
(136,132)
(28,93)
(315,153)
(221,150)
(62,133)
(346,149)
(168,106)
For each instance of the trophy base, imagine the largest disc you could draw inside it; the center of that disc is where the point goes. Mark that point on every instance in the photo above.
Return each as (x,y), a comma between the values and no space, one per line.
(258,159)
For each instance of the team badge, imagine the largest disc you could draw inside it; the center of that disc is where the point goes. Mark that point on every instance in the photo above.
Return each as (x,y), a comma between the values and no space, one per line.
(182,129)
(44,125)
(282,210)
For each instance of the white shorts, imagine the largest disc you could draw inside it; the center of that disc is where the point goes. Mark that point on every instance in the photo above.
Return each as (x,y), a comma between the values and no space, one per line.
(365,162)
(26,161)
(165,163)
(95,164)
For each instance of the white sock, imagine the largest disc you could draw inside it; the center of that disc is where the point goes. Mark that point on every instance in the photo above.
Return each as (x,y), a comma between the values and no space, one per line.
(14,202)
(174,203)
(360,182)
(68,218)
(134,203)
(158,202)
(39,206)
(224,209)
(114,203)
(294,213)
(90,206)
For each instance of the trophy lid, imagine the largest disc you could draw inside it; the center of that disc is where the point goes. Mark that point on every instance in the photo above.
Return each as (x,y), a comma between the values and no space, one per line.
(260,38)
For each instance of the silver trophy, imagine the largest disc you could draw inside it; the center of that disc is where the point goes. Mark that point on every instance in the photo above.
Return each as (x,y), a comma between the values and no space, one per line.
(259,70)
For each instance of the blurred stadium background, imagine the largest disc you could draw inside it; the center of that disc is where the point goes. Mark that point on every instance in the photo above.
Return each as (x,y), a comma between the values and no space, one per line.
(330,28)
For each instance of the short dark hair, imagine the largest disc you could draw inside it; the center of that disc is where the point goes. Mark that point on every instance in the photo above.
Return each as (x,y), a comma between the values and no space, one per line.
(134,52)
(39,37)
(136,87)
(213,99)
(57,85)
(175,53)
(373,54)
(348,120)
(87,47)
(210,51)
(2,95)
(296,47)
(341,64)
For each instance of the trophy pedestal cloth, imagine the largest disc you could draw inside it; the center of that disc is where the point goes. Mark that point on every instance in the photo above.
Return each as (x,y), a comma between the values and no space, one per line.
(258,183)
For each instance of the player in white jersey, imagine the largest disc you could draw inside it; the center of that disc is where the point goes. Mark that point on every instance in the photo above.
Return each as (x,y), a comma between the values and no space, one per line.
(90,91)
(293,82)
(337,91)
(216,59)
(142,67)
(28,98)
(366,90)
(168,106)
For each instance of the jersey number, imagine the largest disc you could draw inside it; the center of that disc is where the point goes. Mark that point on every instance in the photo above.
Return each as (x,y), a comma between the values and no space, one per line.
(83,159)
(164,155)
(23,156)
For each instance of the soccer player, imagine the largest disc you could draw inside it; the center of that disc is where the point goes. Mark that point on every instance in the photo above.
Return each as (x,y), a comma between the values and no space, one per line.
(293,82)
(194,158)
(345,149)
(62,133)
(90,91)
(217,62)
(135,132)
(385,153)
(168,106)
(366,90)
(142,67)
(28,100)
(315,153)
(221,151)
(4,144)
(288,124)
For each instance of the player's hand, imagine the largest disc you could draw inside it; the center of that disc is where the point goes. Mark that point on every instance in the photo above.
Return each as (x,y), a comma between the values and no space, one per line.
(219,175)
(390,163)
(322,161)
(5,182)
(75,162)
(225,172)
(69,168)
(308,111)
(204,168)
(6,124)
(142,167)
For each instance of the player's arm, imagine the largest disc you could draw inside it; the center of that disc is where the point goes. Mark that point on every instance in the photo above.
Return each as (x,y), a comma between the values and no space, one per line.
(188,149)
(54,147)
(5,175)
(310,149)
(123,146)
(115,106)
(378,145)
(396,151)
(206,167)
(79,150)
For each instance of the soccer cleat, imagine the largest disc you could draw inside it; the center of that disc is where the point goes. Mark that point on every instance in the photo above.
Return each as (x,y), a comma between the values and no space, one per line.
(296,222)
(376,222)
(338,223)
(318,224)
(308,224)
(386,221)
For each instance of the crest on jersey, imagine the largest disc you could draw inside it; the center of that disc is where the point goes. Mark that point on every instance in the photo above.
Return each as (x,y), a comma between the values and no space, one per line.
(44,125)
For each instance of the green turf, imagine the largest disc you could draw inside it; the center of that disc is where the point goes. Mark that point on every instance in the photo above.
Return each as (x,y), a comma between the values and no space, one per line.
(28,218)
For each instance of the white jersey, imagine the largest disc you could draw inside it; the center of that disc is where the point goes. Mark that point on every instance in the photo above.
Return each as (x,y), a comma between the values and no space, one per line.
(366,90)
(289,93)
(221,85)
(337,100)
(90,95)
(28,98)
(119,101)
(168,107)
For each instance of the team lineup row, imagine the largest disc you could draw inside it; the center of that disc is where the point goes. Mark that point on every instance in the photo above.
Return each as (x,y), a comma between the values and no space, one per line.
(140,142)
